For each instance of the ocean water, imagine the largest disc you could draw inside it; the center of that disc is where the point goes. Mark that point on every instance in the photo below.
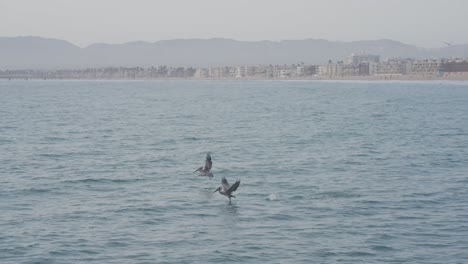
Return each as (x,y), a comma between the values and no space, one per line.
(331,172)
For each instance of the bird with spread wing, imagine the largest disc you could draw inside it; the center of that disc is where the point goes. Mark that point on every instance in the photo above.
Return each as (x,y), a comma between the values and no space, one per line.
(206,170)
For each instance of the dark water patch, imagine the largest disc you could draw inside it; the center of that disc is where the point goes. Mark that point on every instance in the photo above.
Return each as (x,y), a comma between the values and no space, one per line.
(326,253)
(377,115)
(33,191)
(370,202)
(339,169)
(58,253)
(386,237)
(349,162)
(359,254)
(193,139)
(54,139)
(8,127)
(148,211)
(422,194)
(116,243)
(383,248)
(338,194)
(421,203)
(165,142)
(41,260)
(4,141)
(104,181)
(36,190)
(297,197)
(88,252)
(199,215)
(432,245)
(410,217)
(281,217)
(51,155)
(360,155)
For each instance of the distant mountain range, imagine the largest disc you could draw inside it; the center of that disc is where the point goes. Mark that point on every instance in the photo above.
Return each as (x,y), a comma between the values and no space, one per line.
(44,53)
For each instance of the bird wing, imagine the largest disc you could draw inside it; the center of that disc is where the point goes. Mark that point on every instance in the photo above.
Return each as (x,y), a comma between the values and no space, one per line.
(225,184)
(234,186)
(208,162)
(208,165)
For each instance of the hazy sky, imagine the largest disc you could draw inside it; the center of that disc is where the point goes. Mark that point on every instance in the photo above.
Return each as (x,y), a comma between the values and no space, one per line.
(426,23)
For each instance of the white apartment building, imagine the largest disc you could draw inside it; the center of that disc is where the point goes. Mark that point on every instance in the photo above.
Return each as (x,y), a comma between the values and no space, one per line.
(427,67)
(241,72)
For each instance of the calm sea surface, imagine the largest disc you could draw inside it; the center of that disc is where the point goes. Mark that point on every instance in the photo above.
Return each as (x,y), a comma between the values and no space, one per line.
(349,172)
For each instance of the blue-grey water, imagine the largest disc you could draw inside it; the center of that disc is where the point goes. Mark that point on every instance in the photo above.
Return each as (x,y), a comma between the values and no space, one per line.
(349,172)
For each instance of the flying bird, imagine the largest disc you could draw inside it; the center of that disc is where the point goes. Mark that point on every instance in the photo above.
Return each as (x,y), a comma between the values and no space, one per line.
(227,190)
(206,170)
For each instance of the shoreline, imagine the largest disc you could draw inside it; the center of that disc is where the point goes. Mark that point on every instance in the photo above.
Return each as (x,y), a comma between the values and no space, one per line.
(357,78)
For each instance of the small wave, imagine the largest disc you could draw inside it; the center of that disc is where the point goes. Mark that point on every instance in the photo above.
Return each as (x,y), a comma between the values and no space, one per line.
(297,197)
(360,254)
(281,217)
(272,197)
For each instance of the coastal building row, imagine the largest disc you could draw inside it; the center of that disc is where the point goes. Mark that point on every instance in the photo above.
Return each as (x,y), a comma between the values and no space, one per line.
(354,66)
(370,65)
(259,71)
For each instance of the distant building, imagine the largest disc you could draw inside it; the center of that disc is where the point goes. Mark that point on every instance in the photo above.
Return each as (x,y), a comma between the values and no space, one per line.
(427,67)
(300,70)
(201,73)
(310,70)
(348,69)
(216,72)
(286,73)
(241,72)
(269,72)
(365,68)
(363,58)
(455,68)
(390,67)
(330,70)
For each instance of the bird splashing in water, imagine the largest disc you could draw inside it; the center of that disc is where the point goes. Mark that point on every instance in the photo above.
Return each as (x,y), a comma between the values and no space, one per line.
(226,189)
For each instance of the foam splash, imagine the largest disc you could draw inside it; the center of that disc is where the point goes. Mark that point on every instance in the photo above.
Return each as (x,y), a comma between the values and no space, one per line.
(272,197)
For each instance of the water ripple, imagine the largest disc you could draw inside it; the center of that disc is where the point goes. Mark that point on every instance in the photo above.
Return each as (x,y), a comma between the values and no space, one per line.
(351,172)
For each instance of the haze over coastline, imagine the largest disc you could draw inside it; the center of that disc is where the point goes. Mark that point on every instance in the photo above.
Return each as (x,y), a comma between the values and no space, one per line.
(423,23)
(80,34)
(44,53)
